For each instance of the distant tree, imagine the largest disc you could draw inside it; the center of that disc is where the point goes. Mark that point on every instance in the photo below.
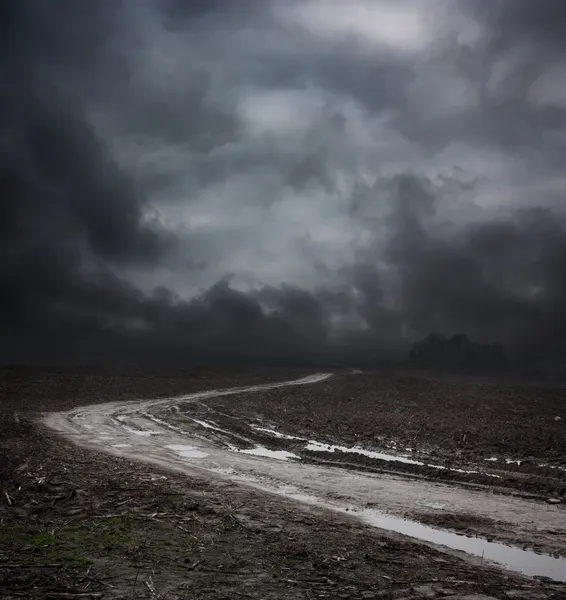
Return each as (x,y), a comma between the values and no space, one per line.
(457,353)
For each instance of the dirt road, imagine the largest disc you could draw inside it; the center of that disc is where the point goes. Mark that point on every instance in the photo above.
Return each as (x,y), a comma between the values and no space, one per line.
(129,429)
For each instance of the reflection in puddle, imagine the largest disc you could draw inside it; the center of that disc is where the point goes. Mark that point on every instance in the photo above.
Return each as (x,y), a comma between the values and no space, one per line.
(207,425)
(277,434)
(523,561)
(315,446)
(277,454)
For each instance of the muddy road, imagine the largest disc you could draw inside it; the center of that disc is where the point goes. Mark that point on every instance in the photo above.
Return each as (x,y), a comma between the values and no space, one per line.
(142,431)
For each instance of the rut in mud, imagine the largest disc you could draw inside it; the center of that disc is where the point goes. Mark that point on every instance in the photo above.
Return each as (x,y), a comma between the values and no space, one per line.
(140,431)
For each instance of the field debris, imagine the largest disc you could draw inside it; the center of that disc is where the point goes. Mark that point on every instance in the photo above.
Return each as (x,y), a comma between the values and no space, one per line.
(87,524)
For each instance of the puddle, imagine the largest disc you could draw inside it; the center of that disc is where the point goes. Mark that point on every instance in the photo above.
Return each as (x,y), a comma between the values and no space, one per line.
(207,425)
(526,562)
(315,446)
(187,451)
(277,454)
(553,467)
(213,427)
(277,434)
(121,445)
(523,561)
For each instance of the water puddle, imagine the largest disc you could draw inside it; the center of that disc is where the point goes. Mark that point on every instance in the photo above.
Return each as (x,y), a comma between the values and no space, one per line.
(276,434)
(187,451)
(208,425)
(277,454)
(518,462)
(526,562)
(121,445)
(315,446)
(523,561)
(214,427)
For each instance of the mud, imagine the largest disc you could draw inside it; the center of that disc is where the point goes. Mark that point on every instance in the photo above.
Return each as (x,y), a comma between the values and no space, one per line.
(145,432)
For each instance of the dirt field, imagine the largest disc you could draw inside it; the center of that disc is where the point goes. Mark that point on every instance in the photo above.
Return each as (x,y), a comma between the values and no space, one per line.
(516,433)
(78,524)
(32,389)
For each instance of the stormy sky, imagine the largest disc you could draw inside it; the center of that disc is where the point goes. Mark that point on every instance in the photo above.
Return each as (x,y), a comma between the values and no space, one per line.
(284,181)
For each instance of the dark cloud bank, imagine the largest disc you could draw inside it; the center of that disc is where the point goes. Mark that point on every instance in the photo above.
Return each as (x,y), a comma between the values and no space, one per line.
(187,182)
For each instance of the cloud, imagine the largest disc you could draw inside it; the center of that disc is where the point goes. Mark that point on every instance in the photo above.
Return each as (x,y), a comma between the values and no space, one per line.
(399,27)
(298,182)
(549,89)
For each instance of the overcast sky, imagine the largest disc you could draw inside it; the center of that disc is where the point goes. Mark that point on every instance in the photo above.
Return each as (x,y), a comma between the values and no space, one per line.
(283,180)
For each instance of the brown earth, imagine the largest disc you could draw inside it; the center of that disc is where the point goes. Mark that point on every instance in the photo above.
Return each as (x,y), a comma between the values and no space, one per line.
(454,424)
(62,388)
(79,524)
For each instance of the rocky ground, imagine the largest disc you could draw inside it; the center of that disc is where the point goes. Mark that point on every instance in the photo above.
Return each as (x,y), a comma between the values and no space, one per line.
(80,524)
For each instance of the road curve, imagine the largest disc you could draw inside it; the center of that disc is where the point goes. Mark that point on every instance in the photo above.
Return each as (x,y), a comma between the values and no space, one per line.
(129,429)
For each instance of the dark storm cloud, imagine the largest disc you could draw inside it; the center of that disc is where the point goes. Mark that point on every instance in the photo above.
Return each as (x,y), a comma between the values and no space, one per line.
(503,280)
(194,182)
(177,12)
(499,74)
(57,174)
(524,21)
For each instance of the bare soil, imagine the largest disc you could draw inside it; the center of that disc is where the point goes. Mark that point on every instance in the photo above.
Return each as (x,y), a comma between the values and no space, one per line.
(460,424)
(80,524)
